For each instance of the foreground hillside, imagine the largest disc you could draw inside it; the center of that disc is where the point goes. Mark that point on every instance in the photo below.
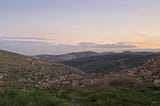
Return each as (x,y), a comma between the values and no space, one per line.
(111,62)
(116,91)
(26,73)
(25,81)
(113,94)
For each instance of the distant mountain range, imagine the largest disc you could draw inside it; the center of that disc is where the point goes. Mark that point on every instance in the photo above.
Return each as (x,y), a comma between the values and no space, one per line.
(92,62)
(65,57)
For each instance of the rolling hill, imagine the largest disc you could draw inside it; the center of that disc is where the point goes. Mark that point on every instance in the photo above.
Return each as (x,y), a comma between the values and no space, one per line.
(149,71)
(26,81)
(65,57)
(23,72)
(111,62)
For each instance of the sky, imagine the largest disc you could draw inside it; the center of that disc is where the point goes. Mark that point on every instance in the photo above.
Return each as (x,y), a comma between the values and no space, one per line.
(62,26)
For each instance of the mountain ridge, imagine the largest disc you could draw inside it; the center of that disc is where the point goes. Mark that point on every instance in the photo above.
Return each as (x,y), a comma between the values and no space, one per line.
(68,56)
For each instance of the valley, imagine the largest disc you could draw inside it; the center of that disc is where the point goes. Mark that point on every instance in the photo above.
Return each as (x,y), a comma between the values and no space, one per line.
(53,84)
(106,62)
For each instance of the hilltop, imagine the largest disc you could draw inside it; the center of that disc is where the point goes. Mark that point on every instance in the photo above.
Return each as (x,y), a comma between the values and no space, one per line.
(65,57)
(24,72)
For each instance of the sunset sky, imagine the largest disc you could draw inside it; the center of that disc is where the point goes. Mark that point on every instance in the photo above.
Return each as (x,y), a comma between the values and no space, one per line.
(76,25)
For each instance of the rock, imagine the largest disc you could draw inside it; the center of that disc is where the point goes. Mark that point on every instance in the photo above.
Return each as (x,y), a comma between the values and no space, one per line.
(157,82)
(75,83)
(149,71)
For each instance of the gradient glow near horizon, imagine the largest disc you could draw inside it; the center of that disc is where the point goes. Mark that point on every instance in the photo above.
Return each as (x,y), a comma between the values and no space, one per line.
(134,22)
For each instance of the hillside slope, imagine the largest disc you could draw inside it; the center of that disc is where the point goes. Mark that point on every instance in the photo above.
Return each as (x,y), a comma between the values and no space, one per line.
(111,62)
(149,71)
(25,72)
(121,88)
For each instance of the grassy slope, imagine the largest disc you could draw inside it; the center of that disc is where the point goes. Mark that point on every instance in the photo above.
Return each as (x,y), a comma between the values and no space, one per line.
(25,72)
(115,94)
(22,68)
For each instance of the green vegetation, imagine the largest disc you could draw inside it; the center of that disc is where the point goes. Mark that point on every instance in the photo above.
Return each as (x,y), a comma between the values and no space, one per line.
(112,95)
(34,98)
(111,62)
(24,73)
